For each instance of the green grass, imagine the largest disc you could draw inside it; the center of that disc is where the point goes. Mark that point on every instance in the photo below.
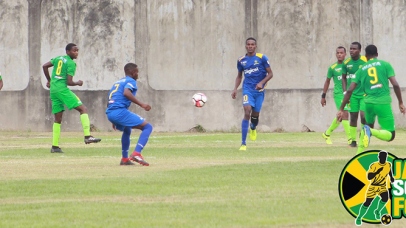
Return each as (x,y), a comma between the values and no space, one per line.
(195,180)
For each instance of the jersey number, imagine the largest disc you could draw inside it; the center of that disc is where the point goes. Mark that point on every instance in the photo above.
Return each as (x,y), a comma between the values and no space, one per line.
(115,90)
(59,68)
(372,74)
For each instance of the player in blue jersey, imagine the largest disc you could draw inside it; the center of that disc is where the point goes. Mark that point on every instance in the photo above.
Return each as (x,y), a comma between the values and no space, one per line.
(120,97)
(257,72)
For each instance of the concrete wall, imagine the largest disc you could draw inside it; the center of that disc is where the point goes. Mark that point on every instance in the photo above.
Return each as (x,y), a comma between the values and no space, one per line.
(183,47)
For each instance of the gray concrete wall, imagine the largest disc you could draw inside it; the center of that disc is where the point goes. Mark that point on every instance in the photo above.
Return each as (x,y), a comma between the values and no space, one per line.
(183,47)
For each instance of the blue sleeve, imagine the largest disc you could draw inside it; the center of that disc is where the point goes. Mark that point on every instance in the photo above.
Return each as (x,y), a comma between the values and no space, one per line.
(239,66)
(265,61)
(132,85)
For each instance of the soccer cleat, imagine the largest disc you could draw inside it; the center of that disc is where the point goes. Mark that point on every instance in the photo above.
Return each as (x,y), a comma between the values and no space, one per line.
(137,157)
(91,139)
(327,138)
(353,144)
(367,136)
(56,150)
(377,215)
(243,147)
(358,221)
(128,162)
(253,134)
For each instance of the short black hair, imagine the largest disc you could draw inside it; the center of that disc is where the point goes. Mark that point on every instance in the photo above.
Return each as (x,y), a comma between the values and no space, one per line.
(129,66)
(251,38)
(358,44)
(341,47)
(371,50)
(70,46)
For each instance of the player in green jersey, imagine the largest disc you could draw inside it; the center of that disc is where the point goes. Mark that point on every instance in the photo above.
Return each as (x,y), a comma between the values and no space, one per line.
(335,72)
(373,77)
(61,95)
(356,105)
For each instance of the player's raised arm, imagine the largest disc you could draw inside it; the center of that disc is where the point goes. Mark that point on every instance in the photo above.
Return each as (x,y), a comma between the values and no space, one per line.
(70,82)
(238,81)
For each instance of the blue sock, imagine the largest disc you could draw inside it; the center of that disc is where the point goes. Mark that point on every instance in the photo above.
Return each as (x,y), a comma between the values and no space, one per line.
(244,130)
(125,141)
(143,139)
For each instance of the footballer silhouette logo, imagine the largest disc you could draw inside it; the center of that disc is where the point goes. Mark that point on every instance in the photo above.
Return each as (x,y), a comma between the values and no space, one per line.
(365,187)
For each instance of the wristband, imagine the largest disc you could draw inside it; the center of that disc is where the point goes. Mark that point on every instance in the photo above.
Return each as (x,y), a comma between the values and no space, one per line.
(323,95)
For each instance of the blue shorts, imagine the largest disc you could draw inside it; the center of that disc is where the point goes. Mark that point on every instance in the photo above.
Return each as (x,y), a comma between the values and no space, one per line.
(122,118)
(253,98)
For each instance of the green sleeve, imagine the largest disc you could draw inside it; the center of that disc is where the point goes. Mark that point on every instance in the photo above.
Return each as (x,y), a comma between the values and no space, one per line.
(1,78)
(330,73)
(390,70)
(358,76)
(71,68)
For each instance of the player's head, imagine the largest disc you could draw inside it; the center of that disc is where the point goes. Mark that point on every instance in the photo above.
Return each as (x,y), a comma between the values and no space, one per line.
(341,53)
(355,49)
(371,51)
(382,156)
(251,45)
(131,69)
(72,50)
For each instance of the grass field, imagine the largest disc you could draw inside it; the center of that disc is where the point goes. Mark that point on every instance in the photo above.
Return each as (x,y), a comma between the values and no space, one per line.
(195,180)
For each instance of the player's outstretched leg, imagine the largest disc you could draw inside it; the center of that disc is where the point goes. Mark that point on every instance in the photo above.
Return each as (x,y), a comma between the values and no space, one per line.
(84,118)
(366,136)
(327,138)
(125,146)
(142,142)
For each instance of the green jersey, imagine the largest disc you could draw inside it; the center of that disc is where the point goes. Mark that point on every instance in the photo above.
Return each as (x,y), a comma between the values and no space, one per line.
(351,66)
(63,66)
(374,80)
(335,72)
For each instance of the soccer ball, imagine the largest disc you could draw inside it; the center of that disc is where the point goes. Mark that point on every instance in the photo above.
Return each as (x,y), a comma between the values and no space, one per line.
(199,99)
(386,219)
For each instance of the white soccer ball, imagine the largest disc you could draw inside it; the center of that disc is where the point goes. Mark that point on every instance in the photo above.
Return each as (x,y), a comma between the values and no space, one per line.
(199,99)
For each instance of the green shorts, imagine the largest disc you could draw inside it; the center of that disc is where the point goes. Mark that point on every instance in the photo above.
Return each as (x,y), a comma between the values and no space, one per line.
(356,104)
(384,114)
(338,99)
(64,97)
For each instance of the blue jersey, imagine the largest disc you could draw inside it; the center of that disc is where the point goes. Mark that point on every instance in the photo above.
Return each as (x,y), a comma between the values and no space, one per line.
(117,100)
(254,68)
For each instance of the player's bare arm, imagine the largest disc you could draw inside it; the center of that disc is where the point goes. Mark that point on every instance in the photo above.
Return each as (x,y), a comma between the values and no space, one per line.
(127,93)
(371,175)
(346,98)
(398,93)
(46,72)
(238,81)
(344,82)
(268,77)
(70,81)
(325,88)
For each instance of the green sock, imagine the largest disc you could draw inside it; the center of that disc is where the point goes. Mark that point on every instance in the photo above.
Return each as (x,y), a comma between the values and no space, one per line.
(346,126)
(362,211)
(361,144)
(381,134)
(333,126)
(380,206)
(84,118)
(56,133)
(353,133)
